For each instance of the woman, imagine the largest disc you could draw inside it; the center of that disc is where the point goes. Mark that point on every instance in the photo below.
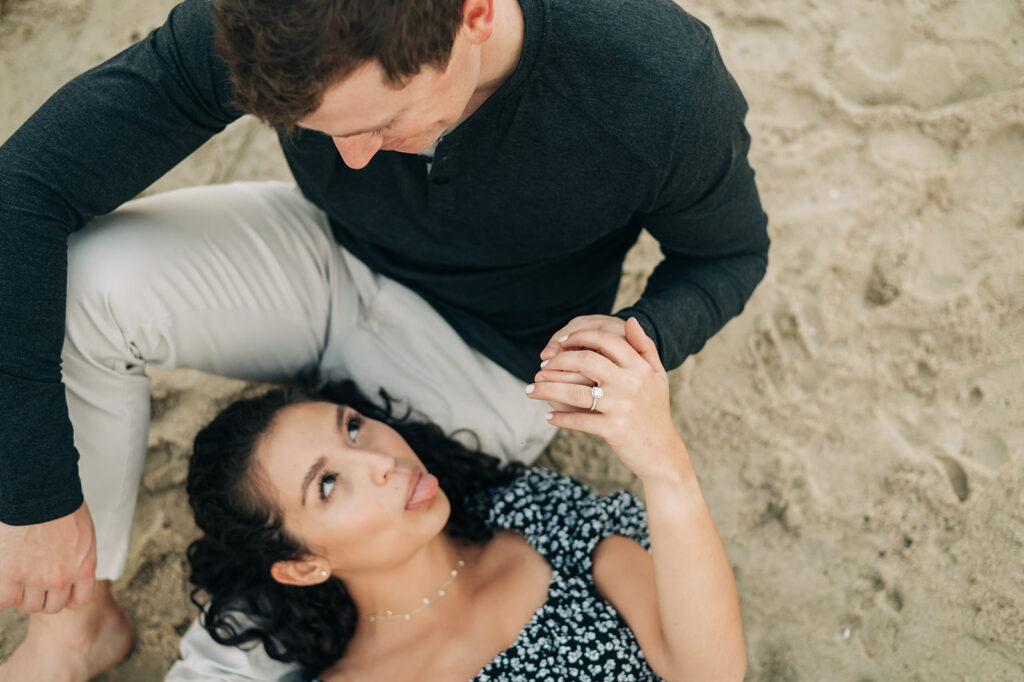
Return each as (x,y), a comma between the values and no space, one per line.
(365,547)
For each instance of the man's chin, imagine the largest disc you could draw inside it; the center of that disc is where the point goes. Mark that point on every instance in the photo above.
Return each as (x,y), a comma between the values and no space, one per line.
(412,145)
(418,145)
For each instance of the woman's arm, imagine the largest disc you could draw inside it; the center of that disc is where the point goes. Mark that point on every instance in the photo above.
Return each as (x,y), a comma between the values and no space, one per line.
(680,601)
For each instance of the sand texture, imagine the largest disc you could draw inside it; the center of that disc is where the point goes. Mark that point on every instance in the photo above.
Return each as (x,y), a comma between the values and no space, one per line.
(859,430)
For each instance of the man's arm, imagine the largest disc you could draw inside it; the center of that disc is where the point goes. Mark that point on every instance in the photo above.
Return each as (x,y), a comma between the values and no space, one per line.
(99,141)
(708,220)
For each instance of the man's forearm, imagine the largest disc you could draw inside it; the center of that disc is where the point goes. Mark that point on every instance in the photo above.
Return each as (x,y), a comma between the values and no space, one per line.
(38,463)
(687,301)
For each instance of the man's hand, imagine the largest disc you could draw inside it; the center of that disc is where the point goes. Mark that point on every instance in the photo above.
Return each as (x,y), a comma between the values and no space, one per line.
(607,323)
(48,566)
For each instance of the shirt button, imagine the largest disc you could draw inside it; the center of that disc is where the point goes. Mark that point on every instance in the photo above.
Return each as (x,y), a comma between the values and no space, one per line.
(440,180)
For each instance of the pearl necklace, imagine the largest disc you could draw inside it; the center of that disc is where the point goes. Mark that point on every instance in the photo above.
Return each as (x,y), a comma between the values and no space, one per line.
(427,601)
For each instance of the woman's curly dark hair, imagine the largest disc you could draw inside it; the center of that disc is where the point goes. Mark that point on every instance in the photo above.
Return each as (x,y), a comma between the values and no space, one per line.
(243,534)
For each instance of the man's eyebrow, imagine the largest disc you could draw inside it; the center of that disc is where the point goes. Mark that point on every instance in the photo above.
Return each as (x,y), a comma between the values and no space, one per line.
(310,475)
(365,130)
(332,135)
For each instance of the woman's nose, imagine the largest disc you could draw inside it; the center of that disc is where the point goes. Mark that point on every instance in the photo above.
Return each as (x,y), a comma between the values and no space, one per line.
(380,466)
(357,151)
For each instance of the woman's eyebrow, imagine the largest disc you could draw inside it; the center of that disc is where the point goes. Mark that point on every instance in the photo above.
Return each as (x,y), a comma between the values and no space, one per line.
(310,475)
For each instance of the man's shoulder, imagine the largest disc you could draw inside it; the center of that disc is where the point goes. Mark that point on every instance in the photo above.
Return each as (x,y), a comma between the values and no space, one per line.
(636,67)
(628,30)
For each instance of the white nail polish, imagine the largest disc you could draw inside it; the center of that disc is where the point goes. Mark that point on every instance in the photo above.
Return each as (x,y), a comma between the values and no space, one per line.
(549,415)
(529,389)
(545,363)
(562,339)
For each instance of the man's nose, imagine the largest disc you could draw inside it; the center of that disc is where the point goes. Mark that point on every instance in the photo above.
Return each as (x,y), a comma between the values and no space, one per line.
(357,151)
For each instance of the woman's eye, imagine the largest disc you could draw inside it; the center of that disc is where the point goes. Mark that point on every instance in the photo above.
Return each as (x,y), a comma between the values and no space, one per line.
(352,428)
(327,485)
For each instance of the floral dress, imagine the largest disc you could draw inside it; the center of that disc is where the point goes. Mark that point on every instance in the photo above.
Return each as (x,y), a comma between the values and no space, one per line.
(575,634)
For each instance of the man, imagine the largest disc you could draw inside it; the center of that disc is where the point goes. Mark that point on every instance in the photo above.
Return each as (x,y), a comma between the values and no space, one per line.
(470,176)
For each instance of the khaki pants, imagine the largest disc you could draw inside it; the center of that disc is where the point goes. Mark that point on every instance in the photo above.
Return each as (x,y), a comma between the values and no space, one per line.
(246,281)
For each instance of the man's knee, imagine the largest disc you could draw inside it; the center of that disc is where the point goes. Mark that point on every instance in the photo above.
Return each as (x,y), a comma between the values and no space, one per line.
(109,291)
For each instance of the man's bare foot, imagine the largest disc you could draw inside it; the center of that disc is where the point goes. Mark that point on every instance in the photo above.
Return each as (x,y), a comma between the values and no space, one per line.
(73,645)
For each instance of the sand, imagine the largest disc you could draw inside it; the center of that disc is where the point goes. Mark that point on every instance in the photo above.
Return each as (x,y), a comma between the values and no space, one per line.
(859,430)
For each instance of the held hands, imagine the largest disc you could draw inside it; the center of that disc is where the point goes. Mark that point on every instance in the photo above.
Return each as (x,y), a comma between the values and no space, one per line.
(48,566)
(608,323)
(633,414)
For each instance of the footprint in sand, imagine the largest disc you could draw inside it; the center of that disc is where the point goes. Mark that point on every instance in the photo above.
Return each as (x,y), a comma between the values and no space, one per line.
(874,593)
(886,279)
(956,475)
(991,176)
(776,663)
(869,51)
(767,45)
(988,450)
(783,350)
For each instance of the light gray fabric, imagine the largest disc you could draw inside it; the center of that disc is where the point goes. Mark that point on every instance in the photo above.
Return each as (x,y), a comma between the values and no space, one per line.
(203,660)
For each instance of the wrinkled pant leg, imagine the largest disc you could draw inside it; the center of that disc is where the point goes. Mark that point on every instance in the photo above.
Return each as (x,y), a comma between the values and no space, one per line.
(233,279)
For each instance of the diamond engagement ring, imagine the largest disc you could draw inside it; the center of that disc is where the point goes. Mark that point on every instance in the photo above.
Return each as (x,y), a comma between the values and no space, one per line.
(596,392)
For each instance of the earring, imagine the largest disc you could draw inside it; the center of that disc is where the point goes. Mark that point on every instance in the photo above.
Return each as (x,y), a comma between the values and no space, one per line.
(323,574)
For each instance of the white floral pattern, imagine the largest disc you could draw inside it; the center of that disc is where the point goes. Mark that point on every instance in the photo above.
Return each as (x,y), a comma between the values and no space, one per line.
(575,634)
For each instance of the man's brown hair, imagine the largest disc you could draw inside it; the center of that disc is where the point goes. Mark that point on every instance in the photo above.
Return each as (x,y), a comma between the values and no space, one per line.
(282,55)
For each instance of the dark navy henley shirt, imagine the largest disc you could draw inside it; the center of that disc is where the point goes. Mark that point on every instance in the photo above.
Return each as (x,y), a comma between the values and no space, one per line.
(619,116)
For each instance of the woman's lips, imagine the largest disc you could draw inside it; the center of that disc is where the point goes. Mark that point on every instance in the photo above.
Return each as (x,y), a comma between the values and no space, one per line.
(424,489)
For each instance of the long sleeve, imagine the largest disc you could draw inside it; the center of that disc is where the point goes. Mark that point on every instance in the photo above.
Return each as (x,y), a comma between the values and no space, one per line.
(99,141)
(708,221)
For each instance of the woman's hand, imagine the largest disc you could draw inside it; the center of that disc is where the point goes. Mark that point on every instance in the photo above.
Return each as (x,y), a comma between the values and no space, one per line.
(693,628)
(633,414)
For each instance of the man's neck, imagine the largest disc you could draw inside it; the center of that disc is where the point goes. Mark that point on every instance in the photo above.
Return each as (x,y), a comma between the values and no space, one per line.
(500,54)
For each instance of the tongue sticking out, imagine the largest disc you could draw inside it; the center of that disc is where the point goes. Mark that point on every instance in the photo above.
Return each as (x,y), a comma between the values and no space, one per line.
(424,492)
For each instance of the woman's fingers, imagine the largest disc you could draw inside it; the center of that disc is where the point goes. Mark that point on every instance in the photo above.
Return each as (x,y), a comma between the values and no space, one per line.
(587,422)
(563,377)
(571,395)
(560,377)
(643,344)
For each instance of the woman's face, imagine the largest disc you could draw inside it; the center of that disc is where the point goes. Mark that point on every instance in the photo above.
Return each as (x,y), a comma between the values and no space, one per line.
(350,488)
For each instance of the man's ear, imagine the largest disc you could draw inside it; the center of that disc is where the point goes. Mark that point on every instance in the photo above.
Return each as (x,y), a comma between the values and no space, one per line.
(478,19)
(301,572)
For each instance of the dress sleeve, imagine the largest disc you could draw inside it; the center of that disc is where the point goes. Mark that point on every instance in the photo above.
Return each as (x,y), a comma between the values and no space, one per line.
(564,519)
(96,143)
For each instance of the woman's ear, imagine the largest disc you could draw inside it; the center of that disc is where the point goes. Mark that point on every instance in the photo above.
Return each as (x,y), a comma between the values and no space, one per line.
(301,572)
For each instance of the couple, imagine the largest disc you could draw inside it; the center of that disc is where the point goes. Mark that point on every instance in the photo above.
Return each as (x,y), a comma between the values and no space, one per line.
(469,177)
(357,545)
